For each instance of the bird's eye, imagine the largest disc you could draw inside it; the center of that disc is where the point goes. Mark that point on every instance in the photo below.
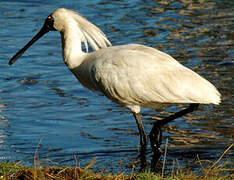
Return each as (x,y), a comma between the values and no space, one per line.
(50,22)
(49,17)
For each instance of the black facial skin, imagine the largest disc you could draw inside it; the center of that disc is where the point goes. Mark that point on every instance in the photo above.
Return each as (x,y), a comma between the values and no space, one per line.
(49,23)
(48,26)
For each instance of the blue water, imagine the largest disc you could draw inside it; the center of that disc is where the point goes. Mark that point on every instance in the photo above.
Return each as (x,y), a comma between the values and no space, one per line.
(44,109)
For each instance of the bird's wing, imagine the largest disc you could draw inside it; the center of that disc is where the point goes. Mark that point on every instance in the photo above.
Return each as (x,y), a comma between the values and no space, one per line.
(136,74)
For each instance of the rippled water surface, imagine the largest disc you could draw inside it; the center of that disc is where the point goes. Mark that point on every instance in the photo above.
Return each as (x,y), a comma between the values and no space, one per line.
(43,106)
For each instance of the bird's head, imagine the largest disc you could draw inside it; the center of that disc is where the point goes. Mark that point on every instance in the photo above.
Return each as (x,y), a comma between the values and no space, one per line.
(48,26)
(62,19)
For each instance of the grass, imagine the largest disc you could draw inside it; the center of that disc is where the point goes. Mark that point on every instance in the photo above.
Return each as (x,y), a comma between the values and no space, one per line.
(216,170)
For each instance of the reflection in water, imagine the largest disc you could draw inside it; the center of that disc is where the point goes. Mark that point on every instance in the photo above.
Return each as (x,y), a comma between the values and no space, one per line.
(40,98)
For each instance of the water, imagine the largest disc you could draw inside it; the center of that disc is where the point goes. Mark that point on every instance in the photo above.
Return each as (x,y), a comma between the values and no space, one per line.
(44,109)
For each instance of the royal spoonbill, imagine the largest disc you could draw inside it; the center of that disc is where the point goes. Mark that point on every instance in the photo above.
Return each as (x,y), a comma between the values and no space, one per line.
(131,75)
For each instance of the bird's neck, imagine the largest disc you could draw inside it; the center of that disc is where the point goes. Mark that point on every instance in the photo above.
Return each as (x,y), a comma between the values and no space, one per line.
(72,50)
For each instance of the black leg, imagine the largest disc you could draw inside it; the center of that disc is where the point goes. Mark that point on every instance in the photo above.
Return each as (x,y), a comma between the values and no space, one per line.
(143,136)
(156,133)
(143,139)
(156,139)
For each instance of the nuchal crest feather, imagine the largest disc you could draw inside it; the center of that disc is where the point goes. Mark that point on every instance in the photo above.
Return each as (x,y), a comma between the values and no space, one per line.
(67,20)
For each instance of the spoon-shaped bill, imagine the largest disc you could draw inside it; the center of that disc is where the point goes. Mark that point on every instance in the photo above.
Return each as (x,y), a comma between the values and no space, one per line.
(43,31)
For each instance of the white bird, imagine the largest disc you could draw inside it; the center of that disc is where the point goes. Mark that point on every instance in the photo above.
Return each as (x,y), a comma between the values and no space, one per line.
(131,75)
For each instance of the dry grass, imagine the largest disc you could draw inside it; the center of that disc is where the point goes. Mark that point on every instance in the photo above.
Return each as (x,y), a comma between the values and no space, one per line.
(210,171)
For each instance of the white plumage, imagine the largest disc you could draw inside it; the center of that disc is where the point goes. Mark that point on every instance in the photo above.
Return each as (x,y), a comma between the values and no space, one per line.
(132,75)
(135,75)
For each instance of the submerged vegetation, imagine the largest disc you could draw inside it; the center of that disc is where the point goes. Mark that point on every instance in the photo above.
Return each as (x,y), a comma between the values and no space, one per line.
(209,171)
